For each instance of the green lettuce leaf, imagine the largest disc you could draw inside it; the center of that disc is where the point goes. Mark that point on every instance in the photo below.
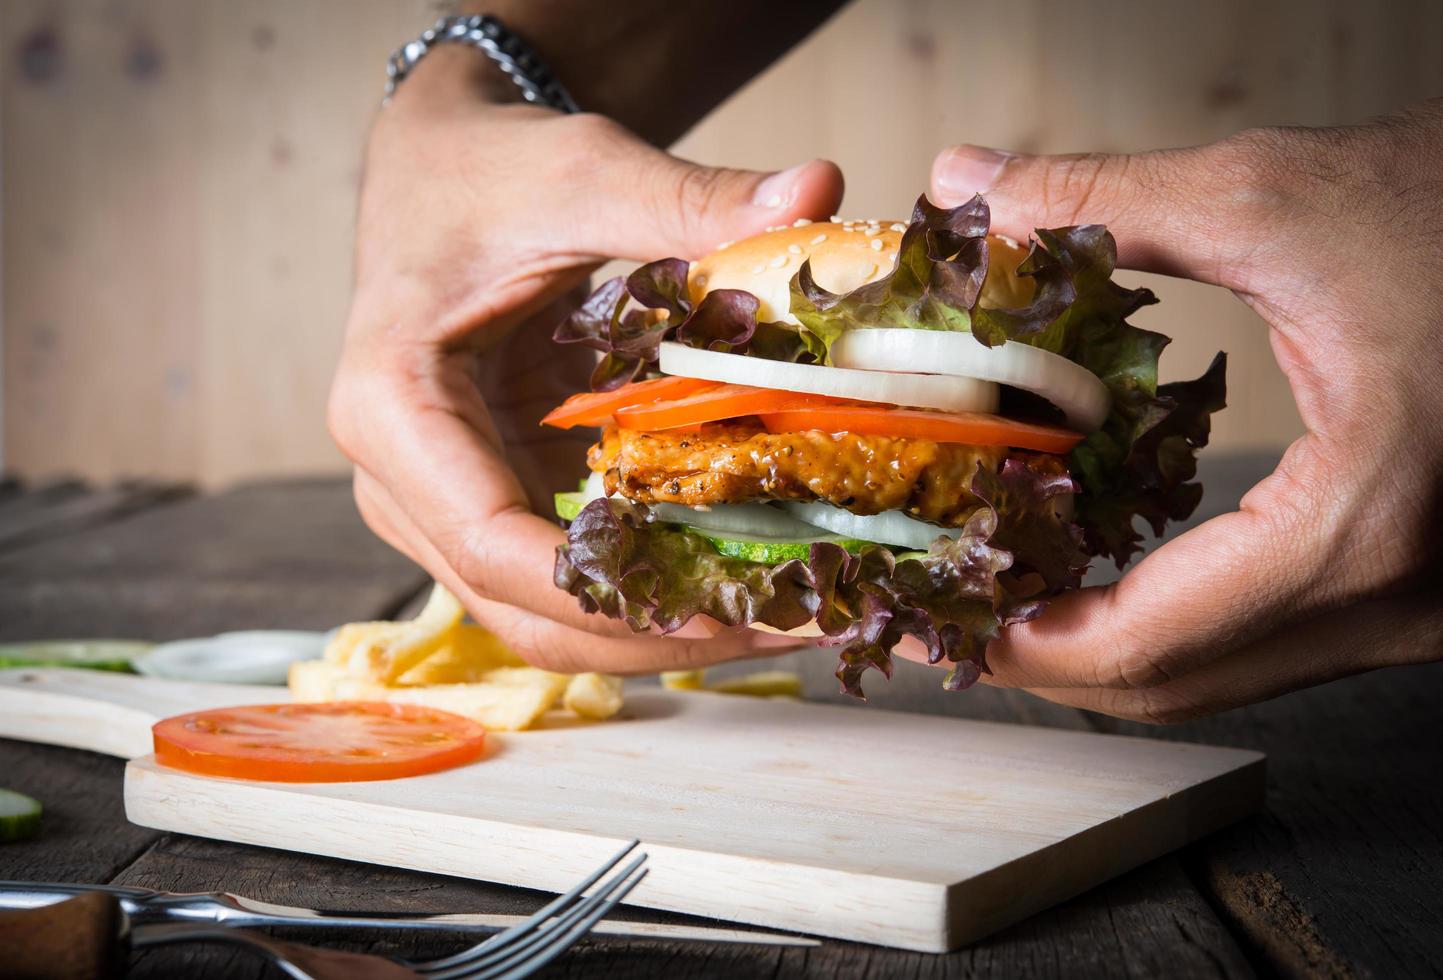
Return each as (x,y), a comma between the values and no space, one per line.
(1012,553)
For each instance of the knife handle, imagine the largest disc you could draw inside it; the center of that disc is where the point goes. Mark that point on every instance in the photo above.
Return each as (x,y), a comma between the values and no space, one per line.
(78,939)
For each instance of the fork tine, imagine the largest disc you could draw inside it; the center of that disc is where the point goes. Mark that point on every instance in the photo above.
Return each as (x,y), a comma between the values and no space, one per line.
(503,956)
(552,908)
(560,943)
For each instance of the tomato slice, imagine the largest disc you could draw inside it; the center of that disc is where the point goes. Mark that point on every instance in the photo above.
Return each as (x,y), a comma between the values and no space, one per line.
(973,428)
(335,742)
(724,401)
(597,407)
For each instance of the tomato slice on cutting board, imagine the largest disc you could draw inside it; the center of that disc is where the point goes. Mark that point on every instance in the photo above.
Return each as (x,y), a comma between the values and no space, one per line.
(597,407)
(334,742)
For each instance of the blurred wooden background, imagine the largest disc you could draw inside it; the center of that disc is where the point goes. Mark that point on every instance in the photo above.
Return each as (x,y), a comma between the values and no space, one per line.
(179,178)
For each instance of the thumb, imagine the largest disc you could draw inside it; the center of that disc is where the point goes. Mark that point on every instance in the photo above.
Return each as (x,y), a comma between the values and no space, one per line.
(667,206)
(1188,212)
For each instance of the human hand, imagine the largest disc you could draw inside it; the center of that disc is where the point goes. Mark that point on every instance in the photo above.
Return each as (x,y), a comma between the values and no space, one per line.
(1335,237)
(477,223)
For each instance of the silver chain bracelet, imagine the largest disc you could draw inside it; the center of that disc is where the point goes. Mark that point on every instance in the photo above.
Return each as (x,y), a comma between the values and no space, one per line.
(495,40)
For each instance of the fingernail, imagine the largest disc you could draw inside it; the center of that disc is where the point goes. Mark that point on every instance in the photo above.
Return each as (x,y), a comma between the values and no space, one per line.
(779,191)
(966,170)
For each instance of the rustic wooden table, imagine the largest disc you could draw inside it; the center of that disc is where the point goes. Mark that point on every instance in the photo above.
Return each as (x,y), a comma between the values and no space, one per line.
(1340,877)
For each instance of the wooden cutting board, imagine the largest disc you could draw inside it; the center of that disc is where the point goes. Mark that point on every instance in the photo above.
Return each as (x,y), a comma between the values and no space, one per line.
(905,830)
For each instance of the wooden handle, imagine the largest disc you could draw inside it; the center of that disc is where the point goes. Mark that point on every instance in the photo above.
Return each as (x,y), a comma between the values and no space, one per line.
(78,939)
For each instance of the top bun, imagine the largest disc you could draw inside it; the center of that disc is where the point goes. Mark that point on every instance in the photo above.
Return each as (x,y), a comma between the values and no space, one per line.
(844,255)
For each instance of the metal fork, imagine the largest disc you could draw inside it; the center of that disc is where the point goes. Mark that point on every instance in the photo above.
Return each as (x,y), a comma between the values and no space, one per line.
(517,952)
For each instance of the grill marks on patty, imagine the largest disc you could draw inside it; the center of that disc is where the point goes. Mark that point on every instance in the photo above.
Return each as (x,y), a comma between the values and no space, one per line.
(739,461)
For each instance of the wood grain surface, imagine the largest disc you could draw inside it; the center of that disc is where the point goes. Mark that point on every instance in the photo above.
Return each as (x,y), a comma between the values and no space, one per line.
(1338,878)
(179,178)
(780,795)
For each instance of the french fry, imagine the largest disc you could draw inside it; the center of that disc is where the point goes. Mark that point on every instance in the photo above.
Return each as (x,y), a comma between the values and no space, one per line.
(467,654)
(317,680)
(439,661)
(498,707)
(593,696)
(762,684)
(388,650)
(506,699)
(478,645)
(683,680)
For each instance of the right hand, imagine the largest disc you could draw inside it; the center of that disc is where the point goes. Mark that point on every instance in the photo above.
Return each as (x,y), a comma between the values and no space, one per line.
(478,223)
(1333,237)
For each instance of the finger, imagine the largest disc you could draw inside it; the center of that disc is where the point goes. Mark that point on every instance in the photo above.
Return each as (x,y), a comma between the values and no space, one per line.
(512,564)
(645,204)
(1373,634)
(1215,588)
(1176,212)
(550,645)
(554,646)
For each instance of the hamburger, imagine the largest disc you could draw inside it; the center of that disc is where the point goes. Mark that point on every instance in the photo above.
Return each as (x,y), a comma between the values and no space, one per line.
(857,431)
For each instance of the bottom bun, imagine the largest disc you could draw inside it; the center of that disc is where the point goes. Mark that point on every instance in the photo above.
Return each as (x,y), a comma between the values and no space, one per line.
(805,630)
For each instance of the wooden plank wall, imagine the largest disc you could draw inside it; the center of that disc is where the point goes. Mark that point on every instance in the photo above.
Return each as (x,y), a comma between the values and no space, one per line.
(179,181)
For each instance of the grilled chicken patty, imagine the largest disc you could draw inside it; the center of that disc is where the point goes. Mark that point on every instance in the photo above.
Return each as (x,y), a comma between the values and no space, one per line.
(739,461)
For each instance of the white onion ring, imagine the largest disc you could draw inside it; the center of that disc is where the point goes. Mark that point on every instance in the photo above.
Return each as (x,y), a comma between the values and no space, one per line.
(755,519)
(888,527)
(1081,395)
(936,390)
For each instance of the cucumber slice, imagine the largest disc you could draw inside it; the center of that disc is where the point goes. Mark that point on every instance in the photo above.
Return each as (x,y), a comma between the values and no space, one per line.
(771,551)
(19,815)
(568,505)
(92,654)
(749,547)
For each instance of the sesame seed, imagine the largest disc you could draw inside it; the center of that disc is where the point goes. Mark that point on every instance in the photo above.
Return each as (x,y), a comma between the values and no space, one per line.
(801,222)
(758,269)
(873,231)
(794,249)
(897,226)
(876,244)
(779,261)
(835,218)
(771,228)
(818,240)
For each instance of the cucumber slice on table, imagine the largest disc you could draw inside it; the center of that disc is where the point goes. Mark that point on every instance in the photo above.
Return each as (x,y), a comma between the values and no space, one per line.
(19,815)
(93,654)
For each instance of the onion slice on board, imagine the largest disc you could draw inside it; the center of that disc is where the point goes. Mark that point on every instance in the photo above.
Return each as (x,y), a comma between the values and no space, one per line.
(894,386)
(1081,395)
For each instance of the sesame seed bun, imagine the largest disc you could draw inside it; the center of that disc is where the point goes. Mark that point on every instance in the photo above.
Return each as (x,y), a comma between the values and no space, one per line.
(844,255)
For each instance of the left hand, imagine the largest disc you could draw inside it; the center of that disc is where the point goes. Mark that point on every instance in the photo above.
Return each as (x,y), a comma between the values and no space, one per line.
(1334,236)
